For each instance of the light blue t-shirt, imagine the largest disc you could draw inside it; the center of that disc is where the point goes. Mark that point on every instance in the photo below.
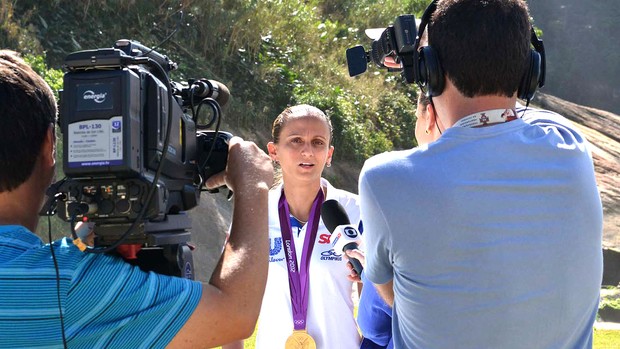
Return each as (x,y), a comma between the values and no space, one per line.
(491,235)
(106,302)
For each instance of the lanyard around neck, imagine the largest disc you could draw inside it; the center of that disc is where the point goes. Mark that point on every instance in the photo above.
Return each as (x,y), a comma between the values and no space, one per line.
(298,276)
(487,117)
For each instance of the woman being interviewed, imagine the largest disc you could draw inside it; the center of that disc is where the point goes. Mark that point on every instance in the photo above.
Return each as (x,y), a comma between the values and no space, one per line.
(308,296)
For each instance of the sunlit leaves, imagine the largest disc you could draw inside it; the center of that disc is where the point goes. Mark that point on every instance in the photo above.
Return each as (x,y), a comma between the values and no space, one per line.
(270,54)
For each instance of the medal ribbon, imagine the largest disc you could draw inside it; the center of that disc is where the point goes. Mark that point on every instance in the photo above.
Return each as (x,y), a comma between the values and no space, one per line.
(298,276)
(487,117)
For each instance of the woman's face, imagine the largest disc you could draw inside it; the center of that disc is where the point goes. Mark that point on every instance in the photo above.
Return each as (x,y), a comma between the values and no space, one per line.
(303,149)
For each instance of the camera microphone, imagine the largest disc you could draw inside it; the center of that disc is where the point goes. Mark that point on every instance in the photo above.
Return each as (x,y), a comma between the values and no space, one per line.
(344,236)
(204,88)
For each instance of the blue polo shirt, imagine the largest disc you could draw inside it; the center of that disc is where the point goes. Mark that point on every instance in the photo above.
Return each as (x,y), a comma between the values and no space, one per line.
(105,301)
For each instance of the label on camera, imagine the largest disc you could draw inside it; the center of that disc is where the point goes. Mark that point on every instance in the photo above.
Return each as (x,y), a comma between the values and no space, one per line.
(96,143)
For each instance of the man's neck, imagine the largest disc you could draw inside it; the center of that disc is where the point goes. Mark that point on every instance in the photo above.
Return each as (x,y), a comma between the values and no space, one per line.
(19,207)
(451,105)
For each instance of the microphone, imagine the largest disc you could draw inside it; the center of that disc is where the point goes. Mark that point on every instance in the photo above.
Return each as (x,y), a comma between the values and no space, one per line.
(210,88)
(344,236)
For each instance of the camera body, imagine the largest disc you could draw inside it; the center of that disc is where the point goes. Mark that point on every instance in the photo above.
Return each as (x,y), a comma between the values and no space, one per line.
(135,159)
(396,41)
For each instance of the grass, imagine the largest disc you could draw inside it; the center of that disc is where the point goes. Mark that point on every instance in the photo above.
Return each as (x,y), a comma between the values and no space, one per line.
(605,339)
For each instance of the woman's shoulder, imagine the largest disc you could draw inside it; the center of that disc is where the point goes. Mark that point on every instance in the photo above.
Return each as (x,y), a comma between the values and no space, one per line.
(348,200)
(275,192)
(337,193)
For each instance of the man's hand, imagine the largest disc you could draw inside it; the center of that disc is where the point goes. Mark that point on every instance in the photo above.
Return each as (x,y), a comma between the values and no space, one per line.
(86,235)
(386,291)
(360,256)
(247,166)
(389,62)
(230,303)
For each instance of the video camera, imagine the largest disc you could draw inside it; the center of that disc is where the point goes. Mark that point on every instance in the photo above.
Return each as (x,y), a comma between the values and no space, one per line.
(135,160)
(397,41)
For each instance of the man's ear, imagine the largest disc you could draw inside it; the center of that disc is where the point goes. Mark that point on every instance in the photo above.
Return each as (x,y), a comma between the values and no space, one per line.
(431,117)
(48,148)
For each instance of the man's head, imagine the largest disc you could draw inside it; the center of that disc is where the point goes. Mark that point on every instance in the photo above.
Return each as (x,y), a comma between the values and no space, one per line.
(27,116)
(482,46)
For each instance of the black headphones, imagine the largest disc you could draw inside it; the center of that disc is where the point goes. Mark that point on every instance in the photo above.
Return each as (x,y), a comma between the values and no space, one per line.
(429,75)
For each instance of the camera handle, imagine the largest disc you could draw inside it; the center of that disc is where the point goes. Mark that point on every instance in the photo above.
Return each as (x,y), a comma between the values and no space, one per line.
(168,250)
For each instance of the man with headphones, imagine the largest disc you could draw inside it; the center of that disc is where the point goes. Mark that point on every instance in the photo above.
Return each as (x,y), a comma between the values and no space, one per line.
(490,235)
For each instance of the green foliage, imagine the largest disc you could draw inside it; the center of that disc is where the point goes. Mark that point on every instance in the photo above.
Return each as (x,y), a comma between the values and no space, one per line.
(52,76)
(610,298)
(613,303)
(14,34)
(270,54)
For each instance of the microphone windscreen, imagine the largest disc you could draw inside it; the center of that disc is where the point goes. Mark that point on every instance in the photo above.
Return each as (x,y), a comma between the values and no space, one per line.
(223,94)
(333,215)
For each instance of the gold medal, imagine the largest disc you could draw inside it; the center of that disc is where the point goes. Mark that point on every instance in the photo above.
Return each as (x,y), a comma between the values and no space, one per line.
(300,339)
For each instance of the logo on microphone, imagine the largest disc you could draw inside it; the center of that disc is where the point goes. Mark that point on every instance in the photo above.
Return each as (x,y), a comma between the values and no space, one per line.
(350,232)
(335,239)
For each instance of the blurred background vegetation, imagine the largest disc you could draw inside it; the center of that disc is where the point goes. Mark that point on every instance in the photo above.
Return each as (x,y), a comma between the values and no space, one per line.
(275,53)
(270,54)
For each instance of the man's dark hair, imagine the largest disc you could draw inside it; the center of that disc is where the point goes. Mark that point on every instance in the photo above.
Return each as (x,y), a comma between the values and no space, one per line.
(483,46)
(27,110)
(423,99)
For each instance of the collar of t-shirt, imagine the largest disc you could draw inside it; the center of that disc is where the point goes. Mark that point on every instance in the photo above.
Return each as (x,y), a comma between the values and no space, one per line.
(296,225)
(487,117)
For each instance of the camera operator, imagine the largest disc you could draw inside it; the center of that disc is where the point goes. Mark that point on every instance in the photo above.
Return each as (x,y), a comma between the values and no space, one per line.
(53,296)
(490,235)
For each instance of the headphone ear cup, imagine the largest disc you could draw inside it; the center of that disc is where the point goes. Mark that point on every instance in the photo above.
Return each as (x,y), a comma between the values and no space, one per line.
(530,79)
(431,77)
